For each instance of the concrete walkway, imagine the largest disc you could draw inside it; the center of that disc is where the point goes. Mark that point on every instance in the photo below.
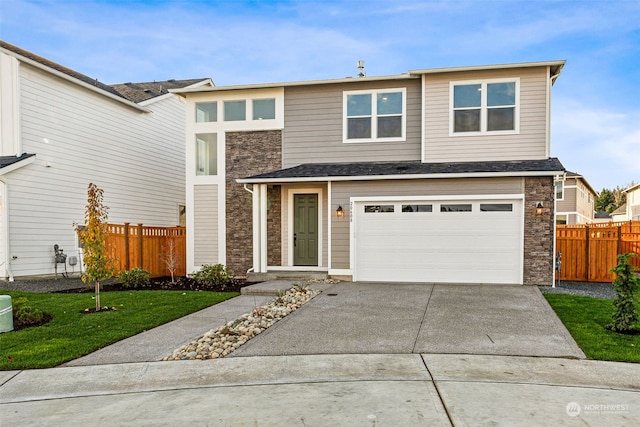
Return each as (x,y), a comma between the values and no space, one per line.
(358,354)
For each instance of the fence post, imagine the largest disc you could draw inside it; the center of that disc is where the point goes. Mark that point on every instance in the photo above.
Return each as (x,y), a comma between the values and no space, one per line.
(588,253)
(127,263)
(619,251)
(140,245)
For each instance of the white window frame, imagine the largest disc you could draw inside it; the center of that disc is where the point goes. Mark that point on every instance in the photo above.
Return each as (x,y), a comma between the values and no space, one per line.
(374,115)
(484,108)
(555,191)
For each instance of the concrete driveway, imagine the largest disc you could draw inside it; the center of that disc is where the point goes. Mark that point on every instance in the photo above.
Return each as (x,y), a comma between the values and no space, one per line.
(383,318)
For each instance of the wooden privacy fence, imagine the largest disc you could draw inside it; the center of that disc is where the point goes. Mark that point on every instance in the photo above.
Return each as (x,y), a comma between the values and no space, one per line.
(149,248)
(589,251)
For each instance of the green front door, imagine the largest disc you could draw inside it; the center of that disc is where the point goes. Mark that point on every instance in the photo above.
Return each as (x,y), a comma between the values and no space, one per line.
(305,229)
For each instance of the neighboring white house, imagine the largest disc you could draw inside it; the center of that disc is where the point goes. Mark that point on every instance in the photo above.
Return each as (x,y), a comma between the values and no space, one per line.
(61,130)
(633,202)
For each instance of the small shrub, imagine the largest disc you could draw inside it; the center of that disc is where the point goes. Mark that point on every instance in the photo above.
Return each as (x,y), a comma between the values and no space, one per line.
(212,275)
(135,278)
(626,283)
(24,314)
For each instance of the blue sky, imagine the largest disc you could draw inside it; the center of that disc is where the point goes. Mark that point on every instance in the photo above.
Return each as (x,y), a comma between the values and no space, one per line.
(596,107)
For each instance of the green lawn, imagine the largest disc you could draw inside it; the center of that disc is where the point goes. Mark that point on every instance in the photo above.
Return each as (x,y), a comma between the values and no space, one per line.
(585,318)
(72,334)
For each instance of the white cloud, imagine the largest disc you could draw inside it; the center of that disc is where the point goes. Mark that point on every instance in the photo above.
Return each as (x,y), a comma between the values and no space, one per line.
(602,144)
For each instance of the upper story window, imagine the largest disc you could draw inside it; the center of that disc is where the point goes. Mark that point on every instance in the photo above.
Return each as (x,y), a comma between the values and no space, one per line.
(559,190)
(378,115)
(206,154)
(235,110)
(264,109)
(206,112)
(488,106)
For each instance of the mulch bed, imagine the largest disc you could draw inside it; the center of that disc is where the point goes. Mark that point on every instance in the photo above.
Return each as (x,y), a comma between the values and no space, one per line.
(164,283)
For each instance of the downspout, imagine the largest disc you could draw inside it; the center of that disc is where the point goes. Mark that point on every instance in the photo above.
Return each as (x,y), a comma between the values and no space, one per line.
(556,179)
(5,228)
(250,191)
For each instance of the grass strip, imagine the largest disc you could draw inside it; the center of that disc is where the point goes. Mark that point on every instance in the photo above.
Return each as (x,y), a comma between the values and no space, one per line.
(72,333)
(586,318)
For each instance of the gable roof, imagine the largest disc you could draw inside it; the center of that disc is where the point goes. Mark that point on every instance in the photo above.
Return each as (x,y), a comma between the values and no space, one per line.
(139,92)
(10,163)
(632,188)
(578,176)
(622,210)
(408,170)
(129,93)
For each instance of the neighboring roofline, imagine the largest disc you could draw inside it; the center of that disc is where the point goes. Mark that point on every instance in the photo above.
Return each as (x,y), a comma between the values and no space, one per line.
(205,82)
(296,83)
(69,78)
(578,176)
(622,210)
(632,188)
(28,159)
(556,66)
(398,177)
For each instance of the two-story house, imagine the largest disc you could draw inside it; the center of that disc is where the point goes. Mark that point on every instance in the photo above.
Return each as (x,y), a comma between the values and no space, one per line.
(437,175)
(61,130)
(575,200)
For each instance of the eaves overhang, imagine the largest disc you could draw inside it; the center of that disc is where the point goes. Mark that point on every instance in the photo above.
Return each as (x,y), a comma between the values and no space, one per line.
(374,171)
(397,177)
(555,67)
(11,163)
(186,91)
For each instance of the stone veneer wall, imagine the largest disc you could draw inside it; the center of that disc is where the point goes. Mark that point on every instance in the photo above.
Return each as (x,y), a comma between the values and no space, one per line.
(274,225)
(538,231)
(247,154)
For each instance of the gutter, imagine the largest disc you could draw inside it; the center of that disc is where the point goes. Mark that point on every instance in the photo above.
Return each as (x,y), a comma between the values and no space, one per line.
(396,177)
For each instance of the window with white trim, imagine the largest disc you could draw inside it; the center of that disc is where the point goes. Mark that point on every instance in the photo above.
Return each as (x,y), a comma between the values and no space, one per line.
(486,106)
(374,115)
(559,190)
(206,154)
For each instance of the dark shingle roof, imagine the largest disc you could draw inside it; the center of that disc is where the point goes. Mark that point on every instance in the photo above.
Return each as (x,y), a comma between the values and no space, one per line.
(334,170)
(138,92)
(9,160)
(134,92)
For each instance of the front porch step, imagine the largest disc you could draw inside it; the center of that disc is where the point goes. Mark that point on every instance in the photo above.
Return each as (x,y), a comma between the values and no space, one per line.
(287,275)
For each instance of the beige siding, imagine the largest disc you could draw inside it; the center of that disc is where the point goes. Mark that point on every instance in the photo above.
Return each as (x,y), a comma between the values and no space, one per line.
(529,144)
(313,126)
(343,191)
(205,224)
(576,203)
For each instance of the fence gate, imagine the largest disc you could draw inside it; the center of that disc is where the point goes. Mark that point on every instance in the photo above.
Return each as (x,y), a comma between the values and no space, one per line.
(590,251)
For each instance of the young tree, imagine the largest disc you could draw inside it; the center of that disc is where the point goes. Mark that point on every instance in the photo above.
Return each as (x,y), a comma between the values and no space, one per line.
(99,266)
(170,257)
(626,283)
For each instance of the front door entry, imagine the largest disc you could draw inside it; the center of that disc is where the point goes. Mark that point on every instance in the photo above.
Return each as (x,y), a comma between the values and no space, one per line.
(305,229)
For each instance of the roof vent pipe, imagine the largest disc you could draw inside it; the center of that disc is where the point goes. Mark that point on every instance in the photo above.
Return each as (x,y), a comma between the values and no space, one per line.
(361,72)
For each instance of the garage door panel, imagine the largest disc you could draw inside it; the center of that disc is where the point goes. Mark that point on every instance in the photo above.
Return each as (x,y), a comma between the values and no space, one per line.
(458,247)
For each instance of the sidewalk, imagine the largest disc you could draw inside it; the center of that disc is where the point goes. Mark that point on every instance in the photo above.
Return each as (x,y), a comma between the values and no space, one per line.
(320,390)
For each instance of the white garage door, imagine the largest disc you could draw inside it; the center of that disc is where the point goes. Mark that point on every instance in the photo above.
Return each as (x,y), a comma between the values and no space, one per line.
(445,241)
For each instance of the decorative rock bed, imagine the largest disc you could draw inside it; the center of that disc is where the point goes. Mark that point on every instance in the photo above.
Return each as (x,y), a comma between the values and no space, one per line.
(224,340)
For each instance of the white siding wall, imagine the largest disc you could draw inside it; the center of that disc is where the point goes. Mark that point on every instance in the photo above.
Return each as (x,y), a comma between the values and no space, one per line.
(341,192)
(80,137)
(313,126)
(529,144)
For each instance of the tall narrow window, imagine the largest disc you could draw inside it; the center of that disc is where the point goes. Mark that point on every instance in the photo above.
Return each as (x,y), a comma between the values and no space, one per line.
(206,154)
